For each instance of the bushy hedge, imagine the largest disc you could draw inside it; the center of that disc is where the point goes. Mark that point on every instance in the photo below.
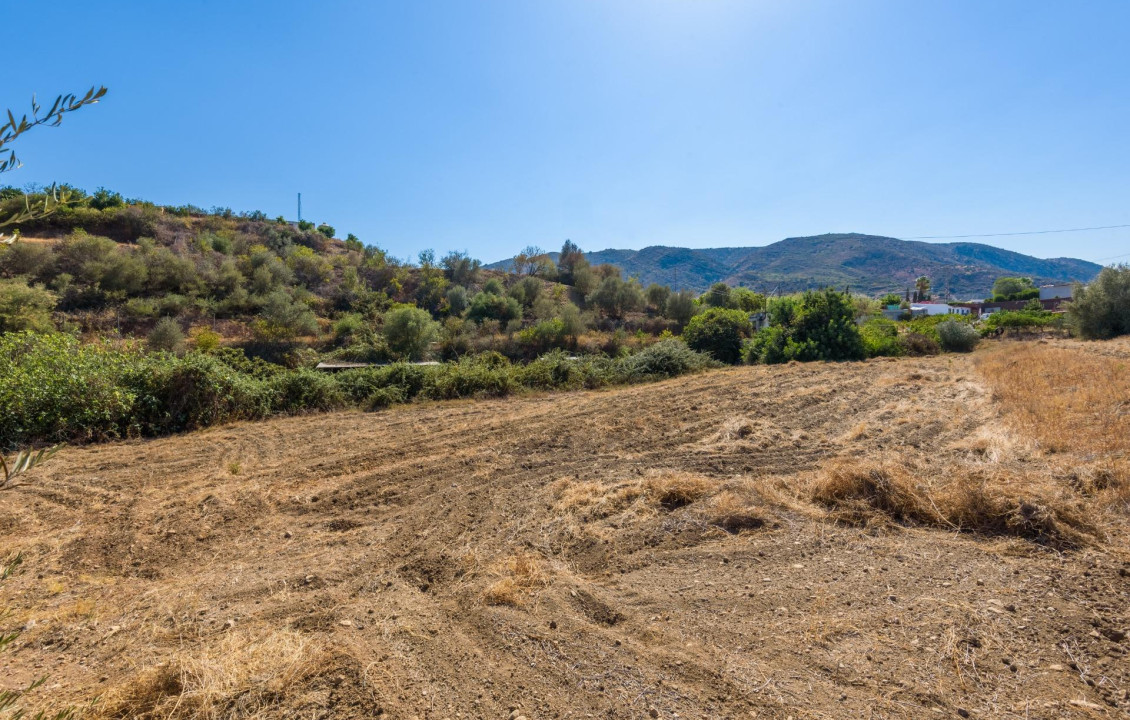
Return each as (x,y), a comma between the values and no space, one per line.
(53,388)
(957,336)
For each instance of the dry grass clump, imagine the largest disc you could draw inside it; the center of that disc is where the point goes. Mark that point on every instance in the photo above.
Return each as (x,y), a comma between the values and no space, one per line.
(242,678)
(857,491)
(524,573)
(674,490)
(958,497)
(1067,399)
(733,513)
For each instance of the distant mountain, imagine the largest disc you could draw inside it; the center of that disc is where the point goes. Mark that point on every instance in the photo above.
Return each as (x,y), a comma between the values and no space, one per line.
(866,263)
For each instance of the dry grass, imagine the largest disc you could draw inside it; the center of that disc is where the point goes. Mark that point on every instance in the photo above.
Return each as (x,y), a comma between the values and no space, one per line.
(243,677)
(1069,401)
(955,495)
(524,573)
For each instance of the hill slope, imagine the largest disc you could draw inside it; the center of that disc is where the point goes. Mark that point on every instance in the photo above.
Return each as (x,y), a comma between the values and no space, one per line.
(867,263)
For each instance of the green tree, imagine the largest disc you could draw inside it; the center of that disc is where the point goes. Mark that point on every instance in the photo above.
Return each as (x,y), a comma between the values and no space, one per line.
(409,331)
(891,299)
(718,296)
(820,326)
(1101,309)
(719,332)
(488,306)
(569,261)
(680,307)
(327,230)
(284,318)
(616,297)
(657,296)
(922,289)
(1015,288)
(461,269)
(457,300)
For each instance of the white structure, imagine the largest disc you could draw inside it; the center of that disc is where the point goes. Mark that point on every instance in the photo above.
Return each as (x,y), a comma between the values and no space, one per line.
(938,309)
(1056,292)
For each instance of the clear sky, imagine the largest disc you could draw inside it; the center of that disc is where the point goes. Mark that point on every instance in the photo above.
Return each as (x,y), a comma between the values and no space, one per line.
(488,125)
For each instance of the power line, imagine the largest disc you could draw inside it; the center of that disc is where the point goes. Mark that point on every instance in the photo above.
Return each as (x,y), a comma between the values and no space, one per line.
(1030,232)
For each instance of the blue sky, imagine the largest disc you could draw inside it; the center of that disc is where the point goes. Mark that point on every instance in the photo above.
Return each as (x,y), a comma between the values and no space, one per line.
(488,125)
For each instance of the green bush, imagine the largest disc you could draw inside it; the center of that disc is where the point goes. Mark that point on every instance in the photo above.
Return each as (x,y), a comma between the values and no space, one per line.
(1005,319)
(23,307)
(720,333)
(957,336)
(491,306)
(481,376)
(881,338)
(53,388)
(664,359)
(1101,310)
(304,390)
(409,332)
(166,335)
(384,397)
(819,326)
(545,336)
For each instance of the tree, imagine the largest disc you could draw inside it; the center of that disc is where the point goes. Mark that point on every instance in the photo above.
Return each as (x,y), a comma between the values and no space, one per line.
(534,261)
(890,299)
(680,307)
(461,269)
(456,299)
(327,230)
(569,261)
(409,332)
(1015,288)
(657,296)
(284,318)
(922,289)
(1101,309)
(719,332)
(820,326)
(615,297)
(717,296)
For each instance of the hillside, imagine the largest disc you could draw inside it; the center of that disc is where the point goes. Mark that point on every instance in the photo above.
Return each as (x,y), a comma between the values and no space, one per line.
(689,549)
(867,263)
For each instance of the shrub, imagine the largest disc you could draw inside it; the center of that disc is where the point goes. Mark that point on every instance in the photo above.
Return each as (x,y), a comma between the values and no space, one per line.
(881,338)
(53,388)
(205,340)
(957,336)
(327,230)
(384,397)
(304,390)
(719,332)
(457,301)
(471,377)
(23,307)
(819,326)
(667,358)
(409,331)
(193,392)
(544,336)
(1102,309)
(491,306)
(917,344)
(166,335)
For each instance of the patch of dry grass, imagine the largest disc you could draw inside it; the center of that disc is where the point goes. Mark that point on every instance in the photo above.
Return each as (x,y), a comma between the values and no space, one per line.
(951,494)
(242,677)
(1067,399)
(523,573)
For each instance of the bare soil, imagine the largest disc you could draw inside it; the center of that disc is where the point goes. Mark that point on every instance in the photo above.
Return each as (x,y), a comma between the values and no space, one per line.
(643,552)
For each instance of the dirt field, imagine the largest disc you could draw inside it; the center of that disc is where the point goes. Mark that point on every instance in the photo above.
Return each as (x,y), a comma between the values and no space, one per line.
(872,540)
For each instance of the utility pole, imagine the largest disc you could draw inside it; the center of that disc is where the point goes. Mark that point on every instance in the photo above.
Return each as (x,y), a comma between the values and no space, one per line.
(299,207)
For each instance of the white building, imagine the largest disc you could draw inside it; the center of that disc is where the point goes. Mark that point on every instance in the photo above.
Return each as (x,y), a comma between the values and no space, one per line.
(938,309)
(1056,292)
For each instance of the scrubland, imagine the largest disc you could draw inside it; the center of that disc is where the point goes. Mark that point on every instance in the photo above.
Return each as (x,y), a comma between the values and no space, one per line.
(916,537)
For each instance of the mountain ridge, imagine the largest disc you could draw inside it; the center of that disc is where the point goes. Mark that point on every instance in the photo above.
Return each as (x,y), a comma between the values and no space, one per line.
(866,263)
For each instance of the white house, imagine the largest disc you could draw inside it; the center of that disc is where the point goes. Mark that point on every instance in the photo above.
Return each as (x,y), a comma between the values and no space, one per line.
(1056,292)
(938,309)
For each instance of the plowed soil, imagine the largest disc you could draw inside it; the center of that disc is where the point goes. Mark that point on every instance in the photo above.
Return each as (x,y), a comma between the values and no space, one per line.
(638,552)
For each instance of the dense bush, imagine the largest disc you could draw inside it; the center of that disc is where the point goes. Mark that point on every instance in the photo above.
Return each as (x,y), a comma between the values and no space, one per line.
(819,326)
(666,358)
(52,388)
(719,332)
(957,336)
(1013,319)
(166,335)
(23,307)
(881,337)
(409,332)
(1102,309)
